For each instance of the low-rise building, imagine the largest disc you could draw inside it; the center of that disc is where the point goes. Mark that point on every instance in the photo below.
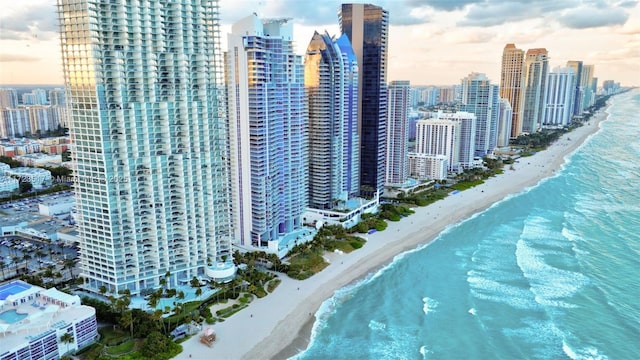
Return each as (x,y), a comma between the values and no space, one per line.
(39,178)
(34,320)
(8,184)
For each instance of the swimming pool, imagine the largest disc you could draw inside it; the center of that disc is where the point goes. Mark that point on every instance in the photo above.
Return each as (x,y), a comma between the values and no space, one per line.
(11,316)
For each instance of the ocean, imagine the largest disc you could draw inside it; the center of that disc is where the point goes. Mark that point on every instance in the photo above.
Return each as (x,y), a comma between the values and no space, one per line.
(550,273)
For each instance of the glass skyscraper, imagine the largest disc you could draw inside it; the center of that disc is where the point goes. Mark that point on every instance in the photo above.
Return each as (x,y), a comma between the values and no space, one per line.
(367,28)
(268,119)
(480,97)
(143,80)
(331,81)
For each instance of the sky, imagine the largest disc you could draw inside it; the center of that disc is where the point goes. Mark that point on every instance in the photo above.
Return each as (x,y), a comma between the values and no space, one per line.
(431,42)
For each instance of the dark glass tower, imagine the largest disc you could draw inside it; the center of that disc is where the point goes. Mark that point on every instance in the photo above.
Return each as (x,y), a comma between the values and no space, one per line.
(367,27)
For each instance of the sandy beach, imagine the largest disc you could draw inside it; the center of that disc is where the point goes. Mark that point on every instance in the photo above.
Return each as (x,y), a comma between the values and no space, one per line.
(279,325)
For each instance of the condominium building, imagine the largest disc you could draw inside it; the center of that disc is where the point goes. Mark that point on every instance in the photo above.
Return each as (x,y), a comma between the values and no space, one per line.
(589,95)
(558,110)
(398,98)
(268,119)
(578,93)
(331,81)
(511,76)
(504,123)
(8,98)
(35,321)
(439,136)
(536,67)
(480,97)
(33,119)
(150,137)
(466,138)
(367,28)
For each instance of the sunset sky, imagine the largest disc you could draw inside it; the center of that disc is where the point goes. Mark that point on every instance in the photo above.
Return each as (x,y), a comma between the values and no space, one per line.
(431,42)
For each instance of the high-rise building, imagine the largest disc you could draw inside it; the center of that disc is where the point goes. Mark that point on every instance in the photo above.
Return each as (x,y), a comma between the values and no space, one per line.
(367,28)
(466,138)
(8,98)
(480,97)
(561,83)
(331,81)
(589,95)
(439,137)
(398,132)
(504,123)
(578,93)
(57,97)
(269,132)
(536,67)
(150,137)
(511,77)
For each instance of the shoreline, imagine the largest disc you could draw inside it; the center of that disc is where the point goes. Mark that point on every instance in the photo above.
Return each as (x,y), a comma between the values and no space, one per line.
(280,325)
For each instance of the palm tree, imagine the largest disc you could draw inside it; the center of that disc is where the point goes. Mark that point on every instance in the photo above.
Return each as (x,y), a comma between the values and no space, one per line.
(67,338)
(70,264)
(198,292)
(127,321)
(15,260)
(2,266)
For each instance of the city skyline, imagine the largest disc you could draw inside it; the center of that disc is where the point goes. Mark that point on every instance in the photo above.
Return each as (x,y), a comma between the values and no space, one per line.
(430,42)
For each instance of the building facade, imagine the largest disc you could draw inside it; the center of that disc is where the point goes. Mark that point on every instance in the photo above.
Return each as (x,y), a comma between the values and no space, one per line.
(480,97)
(511,77)
(561,83)
(331,82)
(504,123)
(399,98)
(439,137)
(536,67)
(367,28)
(268,133)
(150,141)
(578,93)
(48,314)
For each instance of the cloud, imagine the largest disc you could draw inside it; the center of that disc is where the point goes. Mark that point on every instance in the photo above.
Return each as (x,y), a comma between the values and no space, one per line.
(33,21)
(446,5)
(319,13)
(468,37)
(582,18)
(628,4)
(17,58)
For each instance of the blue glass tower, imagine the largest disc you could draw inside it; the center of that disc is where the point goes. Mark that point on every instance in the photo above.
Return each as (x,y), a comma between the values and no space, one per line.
(367,26)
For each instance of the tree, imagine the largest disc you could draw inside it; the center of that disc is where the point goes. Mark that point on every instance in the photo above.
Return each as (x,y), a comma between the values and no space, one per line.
(67,338)
(2,266)
(26,258)
(25,187)
(127,321)
(198,292)
(69,264)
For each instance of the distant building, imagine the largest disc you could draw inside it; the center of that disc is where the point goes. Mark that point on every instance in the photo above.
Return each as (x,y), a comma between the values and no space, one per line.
(532,102)
(268,133)
(8,98)
(589,95)
(504,123)
(511,84)
(40,318)
(480,97)
(398,98)
(578,92)
(561,83)
(8,184)
(29,120)
(38,177)
(367,28)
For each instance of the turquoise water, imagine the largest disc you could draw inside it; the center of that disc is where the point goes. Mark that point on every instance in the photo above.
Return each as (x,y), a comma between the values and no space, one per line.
(11,316)
(551,273)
